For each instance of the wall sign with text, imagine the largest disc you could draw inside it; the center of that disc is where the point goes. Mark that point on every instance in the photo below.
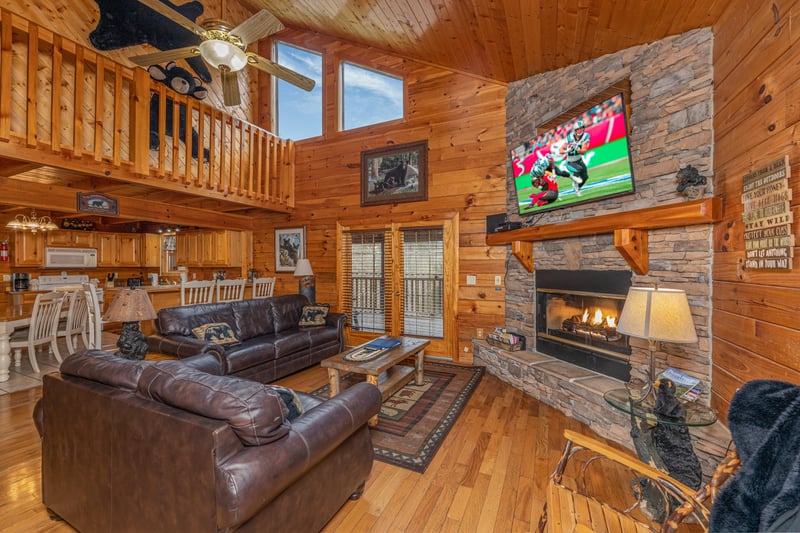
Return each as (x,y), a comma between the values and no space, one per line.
(767,216)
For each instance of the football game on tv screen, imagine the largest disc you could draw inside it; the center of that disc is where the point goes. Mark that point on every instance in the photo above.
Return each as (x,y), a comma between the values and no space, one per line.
(582,160)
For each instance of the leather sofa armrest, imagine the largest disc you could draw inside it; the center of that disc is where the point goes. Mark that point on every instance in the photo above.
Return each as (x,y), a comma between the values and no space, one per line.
(182,347)
(338,321)
(209,362)
(260,473)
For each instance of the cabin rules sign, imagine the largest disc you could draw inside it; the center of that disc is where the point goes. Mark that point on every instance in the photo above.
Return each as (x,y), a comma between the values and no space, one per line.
(767,217)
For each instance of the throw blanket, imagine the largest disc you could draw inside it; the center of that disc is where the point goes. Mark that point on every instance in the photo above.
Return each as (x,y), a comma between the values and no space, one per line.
(764,419)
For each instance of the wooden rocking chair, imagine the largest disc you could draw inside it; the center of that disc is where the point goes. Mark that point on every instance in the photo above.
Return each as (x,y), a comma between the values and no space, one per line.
(597,488)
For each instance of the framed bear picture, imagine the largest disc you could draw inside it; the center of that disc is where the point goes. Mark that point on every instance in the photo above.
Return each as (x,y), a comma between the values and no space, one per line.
(290,246)
(393,174)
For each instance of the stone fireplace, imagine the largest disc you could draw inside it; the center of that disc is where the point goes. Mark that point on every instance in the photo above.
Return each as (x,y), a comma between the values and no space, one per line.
(671,83)
(576,315)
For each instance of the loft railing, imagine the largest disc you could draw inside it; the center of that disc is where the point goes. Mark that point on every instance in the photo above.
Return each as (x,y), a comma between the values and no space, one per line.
(98,111)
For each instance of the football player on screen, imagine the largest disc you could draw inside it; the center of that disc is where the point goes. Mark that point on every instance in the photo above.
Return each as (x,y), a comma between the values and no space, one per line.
(576,146)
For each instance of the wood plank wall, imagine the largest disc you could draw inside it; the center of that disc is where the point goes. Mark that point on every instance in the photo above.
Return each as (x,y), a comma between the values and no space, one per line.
(755,314)
(463,119)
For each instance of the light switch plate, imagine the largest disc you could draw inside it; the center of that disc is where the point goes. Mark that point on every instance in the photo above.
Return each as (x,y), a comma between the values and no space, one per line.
(498,280)
(472,280)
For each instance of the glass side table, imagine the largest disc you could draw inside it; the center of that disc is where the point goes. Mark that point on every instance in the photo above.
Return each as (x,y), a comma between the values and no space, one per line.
(696,414)
(654,434)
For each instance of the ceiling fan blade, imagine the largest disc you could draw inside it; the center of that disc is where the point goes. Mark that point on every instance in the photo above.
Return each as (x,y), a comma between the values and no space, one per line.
(230,87)
(256,27)
(279,71)
(174,16)
(145,60)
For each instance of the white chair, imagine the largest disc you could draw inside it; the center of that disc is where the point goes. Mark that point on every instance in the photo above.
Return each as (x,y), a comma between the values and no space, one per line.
(230,290)
(197,292)
(76,322)
(263,287)
(43,328)
(93,333)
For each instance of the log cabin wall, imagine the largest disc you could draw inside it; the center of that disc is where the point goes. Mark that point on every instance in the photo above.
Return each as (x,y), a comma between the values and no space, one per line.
(463,120)
(756,116)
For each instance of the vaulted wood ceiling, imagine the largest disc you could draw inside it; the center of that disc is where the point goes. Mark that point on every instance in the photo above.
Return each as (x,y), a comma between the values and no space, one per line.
(503,40)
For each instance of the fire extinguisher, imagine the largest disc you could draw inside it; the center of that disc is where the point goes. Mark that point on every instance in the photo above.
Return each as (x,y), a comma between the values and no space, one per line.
(4,251)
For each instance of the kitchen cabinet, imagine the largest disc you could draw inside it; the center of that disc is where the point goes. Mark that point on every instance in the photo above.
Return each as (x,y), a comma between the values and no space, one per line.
(207,248)
(119,249)
(28,249)
(71,239)
(151,250)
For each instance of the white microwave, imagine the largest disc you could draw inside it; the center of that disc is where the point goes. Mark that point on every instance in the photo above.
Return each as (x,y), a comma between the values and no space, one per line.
(70,258)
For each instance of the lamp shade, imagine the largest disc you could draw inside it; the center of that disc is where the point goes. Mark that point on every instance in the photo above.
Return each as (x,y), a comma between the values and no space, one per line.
(657,314)
(222,53)
(303,268)
(130,305)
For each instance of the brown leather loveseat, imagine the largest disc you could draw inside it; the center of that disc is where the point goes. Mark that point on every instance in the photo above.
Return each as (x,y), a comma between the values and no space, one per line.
(162,446)
(270,343)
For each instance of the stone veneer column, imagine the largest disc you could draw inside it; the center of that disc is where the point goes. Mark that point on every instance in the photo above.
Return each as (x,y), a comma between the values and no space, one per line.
(671,122)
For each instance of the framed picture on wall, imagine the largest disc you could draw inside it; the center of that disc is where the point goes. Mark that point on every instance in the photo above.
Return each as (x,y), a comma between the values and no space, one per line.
(290,245)
(395,174)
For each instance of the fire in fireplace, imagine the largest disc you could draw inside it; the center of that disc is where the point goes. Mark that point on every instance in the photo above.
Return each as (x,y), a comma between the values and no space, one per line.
(576,319)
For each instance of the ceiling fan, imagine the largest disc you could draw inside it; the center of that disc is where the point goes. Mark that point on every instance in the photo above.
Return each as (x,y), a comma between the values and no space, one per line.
(225,49)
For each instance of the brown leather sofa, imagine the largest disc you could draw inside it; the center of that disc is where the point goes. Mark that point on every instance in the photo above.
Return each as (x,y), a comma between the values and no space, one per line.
(162,446)
(271,346)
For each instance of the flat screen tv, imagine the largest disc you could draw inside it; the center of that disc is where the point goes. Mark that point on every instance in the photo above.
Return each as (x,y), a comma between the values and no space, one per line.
(567,165)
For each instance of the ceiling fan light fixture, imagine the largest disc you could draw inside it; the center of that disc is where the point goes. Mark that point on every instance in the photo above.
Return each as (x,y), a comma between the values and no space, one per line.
(219,53)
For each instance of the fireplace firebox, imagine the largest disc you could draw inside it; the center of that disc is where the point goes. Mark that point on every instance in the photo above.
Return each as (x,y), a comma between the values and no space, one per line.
(576,316)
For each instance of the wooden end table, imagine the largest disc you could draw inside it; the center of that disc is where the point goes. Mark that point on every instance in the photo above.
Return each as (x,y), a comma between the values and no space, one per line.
(383,371)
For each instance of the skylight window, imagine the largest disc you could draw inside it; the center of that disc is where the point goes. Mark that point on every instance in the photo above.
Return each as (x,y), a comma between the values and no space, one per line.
(369,97)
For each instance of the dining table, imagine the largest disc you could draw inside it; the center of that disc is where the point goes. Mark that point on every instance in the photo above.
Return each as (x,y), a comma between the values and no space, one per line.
(11,317)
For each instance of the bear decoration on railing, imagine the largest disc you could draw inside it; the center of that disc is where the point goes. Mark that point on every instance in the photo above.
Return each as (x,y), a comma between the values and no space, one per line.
(181,81)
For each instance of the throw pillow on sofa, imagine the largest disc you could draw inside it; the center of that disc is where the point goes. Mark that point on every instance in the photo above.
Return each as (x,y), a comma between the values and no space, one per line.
(255,412)
(217,332)
(313,315)
(290,400)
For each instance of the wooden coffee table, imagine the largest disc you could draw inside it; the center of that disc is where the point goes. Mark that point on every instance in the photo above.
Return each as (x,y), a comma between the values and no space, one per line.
(383,371)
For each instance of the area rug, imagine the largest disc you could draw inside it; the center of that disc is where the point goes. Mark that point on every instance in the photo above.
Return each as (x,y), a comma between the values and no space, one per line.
(414,422)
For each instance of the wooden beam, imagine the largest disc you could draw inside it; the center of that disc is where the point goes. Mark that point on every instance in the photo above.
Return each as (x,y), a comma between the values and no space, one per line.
(704,211)
(632,244)
(59,198)
(523,251)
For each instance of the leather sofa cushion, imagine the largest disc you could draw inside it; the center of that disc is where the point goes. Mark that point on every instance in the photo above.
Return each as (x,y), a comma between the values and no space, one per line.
(291,342)
(247,354)
(286,311)
(253,318)
(255,413)
(103,367)
(182,320)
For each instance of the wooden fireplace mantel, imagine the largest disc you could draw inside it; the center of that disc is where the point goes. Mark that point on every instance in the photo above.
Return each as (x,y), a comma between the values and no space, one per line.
(630,230)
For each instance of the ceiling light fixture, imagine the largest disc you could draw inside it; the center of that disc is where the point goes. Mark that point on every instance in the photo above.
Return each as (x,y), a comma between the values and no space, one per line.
(220,53)
(31,223)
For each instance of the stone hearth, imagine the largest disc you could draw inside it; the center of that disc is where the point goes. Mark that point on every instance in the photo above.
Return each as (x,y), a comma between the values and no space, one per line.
(578,393)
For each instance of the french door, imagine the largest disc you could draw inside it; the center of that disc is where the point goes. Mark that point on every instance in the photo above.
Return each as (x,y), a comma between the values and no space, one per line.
(399,280)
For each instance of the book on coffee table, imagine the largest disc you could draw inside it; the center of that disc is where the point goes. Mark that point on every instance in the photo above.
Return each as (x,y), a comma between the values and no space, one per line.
(383,343)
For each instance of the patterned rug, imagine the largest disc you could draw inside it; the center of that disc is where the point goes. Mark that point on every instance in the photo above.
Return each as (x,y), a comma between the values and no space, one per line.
(414,422)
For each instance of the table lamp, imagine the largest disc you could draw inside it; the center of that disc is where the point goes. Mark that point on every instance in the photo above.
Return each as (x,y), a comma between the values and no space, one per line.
(307,284)
(131,306)
(656,314)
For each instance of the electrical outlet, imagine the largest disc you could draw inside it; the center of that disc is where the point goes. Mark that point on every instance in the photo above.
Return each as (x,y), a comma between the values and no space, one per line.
(6,277)
(466,350)
(498,280)
(472,280)
(479,332)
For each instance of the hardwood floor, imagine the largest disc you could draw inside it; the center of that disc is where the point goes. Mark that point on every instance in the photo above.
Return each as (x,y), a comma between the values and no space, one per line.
(489,475)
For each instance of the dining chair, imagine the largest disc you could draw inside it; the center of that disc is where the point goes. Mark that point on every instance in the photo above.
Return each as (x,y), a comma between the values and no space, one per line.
(93,332)
(75,323)
(263,287)
(197,292)
(42,330)
(230,290)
